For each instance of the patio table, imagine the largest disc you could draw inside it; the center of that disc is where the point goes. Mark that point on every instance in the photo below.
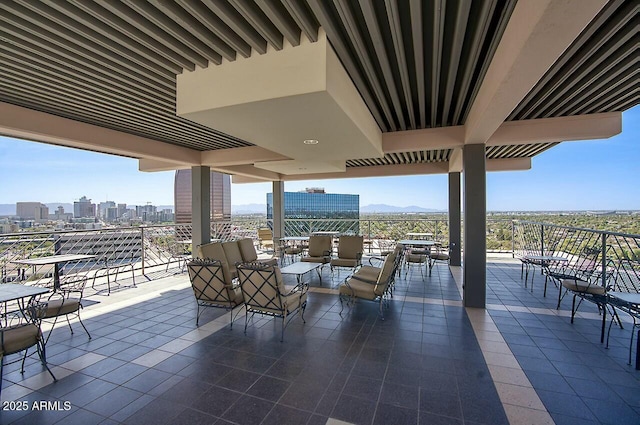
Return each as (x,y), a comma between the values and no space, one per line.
(300,269)
(56,260)
(17,292)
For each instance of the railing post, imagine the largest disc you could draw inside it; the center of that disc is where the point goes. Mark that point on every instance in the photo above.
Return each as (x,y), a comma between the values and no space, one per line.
(143,251)
(604,260)
(542,239)
(513,239)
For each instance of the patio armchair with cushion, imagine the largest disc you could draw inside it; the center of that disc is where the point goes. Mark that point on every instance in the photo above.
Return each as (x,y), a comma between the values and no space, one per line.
(264,293)
(360,286)
(210,288)
(370,272)
(231,253)
(320,248)
(350,250)
(265,238)
(19,331)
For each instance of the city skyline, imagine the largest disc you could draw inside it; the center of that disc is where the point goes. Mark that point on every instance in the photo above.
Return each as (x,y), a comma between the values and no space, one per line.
(584,175)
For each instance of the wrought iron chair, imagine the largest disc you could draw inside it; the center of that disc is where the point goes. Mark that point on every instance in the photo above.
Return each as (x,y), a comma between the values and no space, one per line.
(350,249)
(66,301)
(210,288)
(437,253)
(360,286)
(416,258)
(264,293)
(320,248)
(19,332)
(626,297)
(265,238)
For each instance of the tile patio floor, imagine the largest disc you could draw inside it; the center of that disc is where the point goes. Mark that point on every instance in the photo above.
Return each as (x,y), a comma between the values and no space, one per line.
(430,362)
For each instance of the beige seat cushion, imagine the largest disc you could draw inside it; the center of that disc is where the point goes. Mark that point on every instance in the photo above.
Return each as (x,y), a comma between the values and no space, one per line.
(18,338)
(59,307)
(319,246)
(350,247)
(343,262)
(233,255)
(360,289)
(370,273)
(269,261)
(214,251)
(247,250)
(582,287)
(323,260)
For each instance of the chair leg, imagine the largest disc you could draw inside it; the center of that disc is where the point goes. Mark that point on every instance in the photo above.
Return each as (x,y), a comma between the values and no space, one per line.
(304,307)
(83,326)
(282,330)
(246,321)
(573,308)
(341,304)
(43,358)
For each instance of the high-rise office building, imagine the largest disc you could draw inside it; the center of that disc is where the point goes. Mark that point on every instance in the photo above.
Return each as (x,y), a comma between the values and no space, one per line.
(314,203)
(84,208)
(32,211)
(220,196)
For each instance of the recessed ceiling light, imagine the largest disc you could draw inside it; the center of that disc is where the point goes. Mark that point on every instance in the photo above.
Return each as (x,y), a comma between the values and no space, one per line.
(310,142)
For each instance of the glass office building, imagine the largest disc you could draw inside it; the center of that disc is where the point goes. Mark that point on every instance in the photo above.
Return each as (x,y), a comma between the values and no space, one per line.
(316,204)
(220,196)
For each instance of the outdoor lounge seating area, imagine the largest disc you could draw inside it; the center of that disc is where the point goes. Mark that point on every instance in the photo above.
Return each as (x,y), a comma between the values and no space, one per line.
(429,361)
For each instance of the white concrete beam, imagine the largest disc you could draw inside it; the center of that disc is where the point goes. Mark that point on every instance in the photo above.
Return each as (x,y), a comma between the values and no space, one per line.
(249,171)
(239,156)
(376,171)
(549,130)
(424,139)
(538,32)
(23,123)
(153,165)
(508,164)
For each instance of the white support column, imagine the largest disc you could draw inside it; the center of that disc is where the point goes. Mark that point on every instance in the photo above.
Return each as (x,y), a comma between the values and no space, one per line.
(454,219)
(278,211)
(475,238)
(200,205)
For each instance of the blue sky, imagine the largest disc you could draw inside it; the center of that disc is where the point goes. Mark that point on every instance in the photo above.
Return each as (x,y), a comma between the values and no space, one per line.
(585,175)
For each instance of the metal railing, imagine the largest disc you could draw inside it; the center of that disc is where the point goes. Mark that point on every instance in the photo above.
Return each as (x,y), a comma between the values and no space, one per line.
(149,247)
(615,257)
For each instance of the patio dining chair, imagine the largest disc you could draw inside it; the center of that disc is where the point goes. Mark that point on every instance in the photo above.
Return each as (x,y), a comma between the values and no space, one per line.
(19,331)
(264,293)
(437,253)
(210,288)
(625,297)
(64,302)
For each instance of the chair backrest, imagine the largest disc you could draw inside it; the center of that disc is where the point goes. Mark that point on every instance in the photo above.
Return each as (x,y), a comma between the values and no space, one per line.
(387,273)
(265,234)
(247,250)
(319,245)
(262,287)
(350,247)
(207,281)
(214,251)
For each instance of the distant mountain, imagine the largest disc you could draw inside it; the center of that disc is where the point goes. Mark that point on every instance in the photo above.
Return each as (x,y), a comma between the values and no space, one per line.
(7,209)
(384,208)
(249,209)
